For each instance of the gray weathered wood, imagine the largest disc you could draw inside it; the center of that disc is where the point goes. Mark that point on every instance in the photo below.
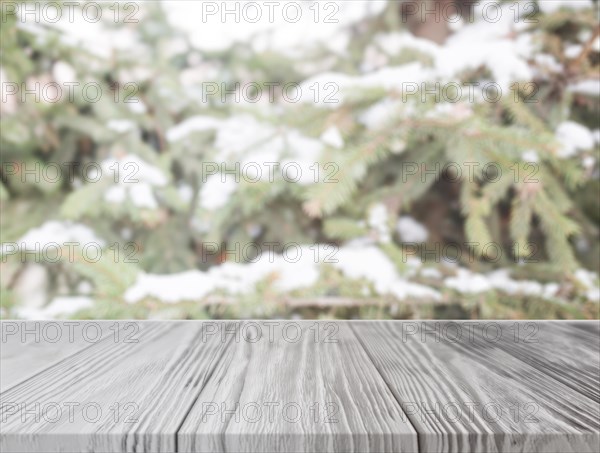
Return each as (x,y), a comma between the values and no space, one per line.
(324,393)
(304,386)
(562,350)
(29,347)
(154,381)
(437,377)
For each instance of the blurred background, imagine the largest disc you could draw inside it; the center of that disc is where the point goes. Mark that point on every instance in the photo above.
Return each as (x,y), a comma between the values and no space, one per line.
(349,159)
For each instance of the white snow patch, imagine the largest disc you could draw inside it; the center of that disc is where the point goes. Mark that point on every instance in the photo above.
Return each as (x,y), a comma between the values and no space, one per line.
(501,280)
(548,63)
(303,153)
(573,51)
(482,43)
(63,73)
(116,194)
(488,44)
(136,179)
(56,232)
(530,156)
(190,285)
(216,191)
(240,134)
(84,287)
(130,169)
(59,307)
(410,230)
(332,137)
(298,268)
(279,27)
(121,126)
(193,124)
(378,221)
(468,282)
(186,193)
(590,87)
(431,272)
(589,280)
(391,78)
(372,264)
(381,114)
(137,106)
(367,262)
(243,140)
(588,162)
(74,30)
(141,195)
(573,137)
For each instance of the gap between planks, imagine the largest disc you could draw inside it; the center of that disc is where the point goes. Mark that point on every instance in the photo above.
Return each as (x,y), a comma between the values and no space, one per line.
(352,327)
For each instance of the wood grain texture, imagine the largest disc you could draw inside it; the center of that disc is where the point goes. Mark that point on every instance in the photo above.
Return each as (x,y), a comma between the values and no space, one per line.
(569,352)
(27,348)
(469,394)
(268,386)
(323,396)
(153,381)
(592,327)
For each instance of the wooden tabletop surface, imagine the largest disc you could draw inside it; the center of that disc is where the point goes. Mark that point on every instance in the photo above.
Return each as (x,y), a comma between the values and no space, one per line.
(287,386)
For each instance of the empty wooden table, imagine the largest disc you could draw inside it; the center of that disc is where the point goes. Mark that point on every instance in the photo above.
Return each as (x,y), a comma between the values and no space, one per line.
(397,386)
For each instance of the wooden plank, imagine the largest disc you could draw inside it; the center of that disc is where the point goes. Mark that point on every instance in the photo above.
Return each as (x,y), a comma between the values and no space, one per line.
(303,386)
(313,393)
(28,347)
(470,394)
(592,327)
(114,396)
(569,352)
